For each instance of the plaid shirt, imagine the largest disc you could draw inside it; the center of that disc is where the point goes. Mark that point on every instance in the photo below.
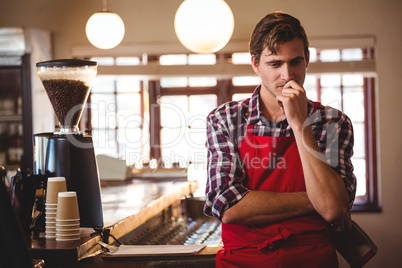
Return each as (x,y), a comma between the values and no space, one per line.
(226,128)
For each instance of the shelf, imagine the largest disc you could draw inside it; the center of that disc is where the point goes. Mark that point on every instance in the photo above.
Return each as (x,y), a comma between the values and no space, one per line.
(10,118)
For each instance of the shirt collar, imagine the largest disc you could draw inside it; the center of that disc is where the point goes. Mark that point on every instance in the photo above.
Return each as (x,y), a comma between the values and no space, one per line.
(254,111)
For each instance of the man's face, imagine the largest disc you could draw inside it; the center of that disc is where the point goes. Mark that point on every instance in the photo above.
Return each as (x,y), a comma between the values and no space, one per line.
(275,70)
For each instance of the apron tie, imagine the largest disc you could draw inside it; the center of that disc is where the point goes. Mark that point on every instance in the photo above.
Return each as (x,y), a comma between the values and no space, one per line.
(275,241)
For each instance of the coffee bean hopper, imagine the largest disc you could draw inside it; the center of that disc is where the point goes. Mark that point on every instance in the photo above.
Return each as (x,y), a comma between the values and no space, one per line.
(68,152)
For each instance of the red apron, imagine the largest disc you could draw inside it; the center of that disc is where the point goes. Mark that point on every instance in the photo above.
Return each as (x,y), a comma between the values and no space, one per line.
(273,164)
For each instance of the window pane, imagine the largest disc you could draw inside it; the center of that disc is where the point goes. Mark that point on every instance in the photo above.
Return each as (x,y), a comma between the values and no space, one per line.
(200,106)
(202,81)
(330,55)
(359,140)
(246,80)
(128,61)
(146,141)
(180,59)
(129,110)
(106,61)
(330,91)
(241,58)
(196,139)
(130,143)
(127,83)
(331,96)
(174,145)
(352,54)
(310,85)
(359,165)
(238,97)
(105,142)
(331,80)
(174,82)
(174,111)
(313,54)
(201,59)
(103,111)
(352,80)
(103,84)
(353,103)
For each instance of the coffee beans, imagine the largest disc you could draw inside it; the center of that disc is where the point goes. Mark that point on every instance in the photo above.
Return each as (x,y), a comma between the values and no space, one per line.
(65,94)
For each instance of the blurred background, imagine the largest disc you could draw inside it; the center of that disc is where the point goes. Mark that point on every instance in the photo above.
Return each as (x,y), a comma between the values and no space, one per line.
(151,96)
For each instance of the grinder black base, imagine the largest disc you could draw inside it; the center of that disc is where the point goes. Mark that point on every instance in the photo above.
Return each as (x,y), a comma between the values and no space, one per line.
(72,156)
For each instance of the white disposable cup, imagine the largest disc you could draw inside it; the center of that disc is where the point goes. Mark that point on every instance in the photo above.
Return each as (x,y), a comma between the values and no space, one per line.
(68,230)
(54,186)
(67,224)
(50,225)
(50,236)
(67,239)
(68,220)
(68,233)
(51,214)
(53,210)
(67,206)
(72,225)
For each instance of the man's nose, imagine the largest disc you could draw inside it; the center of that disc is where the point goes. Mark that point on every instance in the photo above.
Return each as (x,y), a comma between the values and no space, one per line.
(287,72)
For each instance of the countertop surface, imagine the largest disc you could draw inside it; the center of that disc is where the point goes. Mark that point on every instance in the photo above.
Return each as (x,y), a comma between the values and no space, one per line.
(126,205)
(122,200)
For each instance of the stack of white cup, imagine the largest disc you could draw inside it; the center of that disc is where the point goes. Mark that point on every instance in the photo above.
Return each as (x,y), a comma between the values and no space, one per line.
(54,186)
(68,217)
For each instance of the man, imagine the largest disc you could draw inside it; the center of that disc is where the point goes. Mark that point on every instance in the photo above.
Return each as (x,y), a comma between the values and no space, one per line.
(279,170)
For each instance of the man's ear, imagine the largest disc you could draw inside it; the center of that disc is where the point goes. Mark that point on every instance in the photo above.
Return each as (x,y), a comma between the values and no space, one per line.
(255,65)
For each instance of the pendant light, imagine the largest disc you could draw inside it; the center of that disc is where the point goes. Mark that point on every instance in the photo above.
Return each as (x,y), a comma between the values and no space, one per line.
(105,29)
(204,26)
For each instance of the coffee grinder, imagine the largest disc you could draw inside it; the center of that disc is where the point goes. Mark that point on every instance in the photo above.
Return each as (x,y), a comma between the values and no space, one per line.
(68,152)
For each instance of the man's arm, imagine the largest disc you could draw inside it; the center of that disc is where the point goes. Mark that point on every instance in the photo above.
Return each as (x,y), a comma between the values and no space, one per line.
(263,207)
(325,188)
(228,199)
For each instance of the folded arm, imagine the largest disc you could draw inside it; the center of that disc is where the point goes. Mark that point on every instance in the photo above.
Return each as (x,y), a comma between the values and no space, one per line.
(325,187)
(262,207)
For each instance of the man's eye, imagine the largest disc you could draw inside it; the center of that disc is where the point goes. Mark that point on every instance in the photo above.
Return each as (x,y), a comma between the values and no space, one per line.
(297,62)
(273,64)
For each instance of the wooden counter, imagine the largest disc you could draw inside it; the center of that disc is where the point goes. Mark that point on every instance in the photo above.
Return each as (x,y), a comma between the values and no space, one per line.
(126,205)
(130,205)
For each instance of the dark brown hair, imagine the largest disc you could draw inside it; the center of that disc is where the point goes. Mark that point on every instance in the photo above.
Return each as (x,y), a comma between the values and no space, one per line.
(274,29)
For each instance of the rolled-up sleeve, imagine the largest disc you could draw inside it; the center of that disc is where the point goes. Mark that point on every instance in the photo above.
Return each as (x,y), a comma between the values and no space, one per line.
(335,138)
(345,166)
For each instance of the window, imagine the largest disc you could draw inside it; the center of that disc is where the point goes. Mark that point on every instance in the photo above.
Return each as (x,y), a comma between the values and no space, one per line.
(183,133)
(353,94)
(184,103)
(118,117)
(161,112)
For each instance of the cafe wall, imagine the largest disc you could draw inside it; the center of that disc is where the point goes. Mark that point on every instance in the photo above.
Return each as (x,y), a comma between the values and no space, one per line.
(151,21)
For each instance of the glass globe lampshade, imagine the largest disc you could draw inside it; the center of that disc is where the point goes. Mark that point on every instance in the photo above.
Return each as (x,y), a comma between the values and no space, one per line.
(204,26)
(105,29)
